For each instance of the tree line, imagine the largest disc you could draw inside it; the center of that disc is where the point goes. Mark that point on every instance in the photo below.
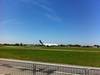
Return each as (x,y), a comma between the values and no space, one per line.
(61,45)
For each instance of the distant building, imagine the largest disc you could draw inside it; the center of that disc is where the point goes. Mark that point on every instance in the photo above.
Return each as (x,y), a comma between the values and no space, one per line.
(96,46)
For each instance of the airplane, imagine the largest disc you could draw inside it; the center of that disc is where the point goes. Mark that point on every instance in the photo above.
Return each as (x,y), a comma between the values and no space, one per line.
(47,44)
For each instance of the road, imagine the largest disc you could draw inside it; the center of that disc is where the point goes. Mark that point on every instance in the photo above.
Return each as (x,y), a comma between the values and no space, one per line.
(21,68)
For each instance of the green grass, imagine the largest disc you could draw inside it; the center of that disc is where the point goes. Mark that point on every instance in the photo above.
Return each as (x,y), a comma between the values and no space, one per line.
(64,57)
(52,48)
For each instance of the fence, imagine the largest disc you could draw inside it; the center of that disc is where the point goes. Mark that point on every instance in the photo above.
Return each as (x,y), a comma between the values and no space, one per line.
(16,67)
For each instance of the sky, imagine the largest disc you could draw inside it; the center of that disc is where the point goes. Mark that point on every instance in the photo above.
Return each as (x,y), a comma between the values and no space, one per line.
(53,21)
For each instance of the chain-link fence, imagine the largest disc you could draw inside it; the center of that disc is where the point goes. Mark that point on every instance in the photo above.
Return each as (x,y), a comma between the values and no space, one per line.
(36,68)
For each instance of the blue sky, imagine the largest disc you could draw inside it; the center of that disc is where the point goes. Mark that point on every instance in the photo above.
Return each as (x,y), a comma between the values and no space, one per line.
(59,21)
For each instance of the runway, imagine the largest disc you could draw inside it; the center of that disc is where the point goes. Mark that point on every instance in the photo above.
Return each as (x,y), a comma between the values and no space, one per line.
(21,68)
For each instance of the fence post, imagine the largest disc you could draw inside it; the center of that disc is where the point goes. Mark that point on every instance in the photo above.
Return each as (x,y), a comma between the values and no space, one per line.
(86,71)
(34,69)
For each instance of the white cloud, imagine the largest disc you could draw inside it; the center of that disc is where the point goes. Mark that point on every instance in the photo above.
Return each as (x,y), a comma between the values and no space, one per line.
(25,1)
(40,3)
(53,17)
(11,21)
(44,4)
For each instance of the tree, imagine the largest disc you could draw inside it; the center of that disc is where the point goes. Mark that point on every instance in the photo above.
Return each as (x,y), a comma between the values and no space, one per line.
(21,44)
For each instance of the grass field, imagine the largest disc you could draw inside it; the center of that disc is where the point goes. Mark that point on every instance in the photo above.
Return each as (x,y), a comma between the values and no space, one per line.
(73,56)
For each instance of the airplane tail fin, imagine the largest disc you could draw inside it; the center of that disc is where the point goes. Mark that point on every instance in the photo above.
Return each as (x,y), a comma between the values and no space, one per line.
(41,42)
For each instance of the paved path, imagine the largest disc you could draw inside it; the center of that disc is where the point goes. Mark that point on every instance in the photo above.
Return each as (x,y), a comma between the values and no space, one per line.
(19,68)
(13,67)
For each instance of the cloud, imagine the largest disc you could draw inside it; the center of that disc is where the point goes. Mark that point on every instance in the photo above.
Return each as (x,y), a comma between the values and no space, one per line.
(53,17)
(25,1)
(10,21)
(6,21)
(44,4)
(51,14)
